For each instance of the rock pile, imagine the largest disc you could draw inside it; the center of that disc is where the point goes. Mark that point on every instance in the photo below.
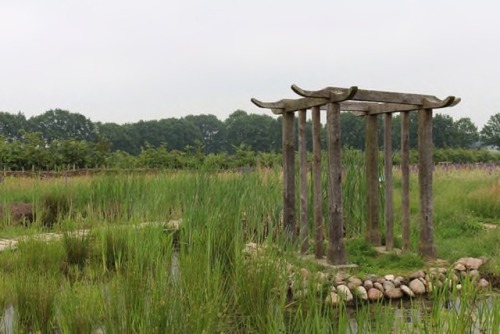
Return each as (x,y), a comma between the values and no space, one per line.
(342,287)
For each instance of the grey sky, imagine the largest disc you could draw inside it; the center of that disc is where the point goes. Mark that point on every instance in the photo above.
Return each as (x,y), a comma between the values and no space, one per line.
(124,60)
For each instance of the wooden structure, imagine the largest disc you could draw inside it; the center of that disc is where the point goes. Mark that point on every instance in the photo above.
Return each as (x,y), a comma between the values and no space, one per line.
(369,104)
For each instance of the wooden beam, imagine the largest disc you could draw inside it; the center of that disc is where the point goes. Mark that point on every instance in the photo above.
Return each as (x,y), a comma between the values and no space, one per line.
(291,105)
(288,175)
(371,165)
(336,249)
(304,221)
(379,96)
(373,108)
(405,177)
(425,166)
(317,193)
(389,211)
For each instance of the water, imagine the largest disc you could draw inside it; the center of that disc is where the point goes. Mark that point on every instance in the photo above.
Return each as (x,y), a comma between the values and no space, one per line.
(7,320)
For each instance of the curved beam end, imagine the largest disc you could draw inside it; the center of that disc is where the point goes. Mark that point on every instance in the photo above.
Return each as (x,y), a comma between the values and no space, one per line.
(298,90)
(258,103)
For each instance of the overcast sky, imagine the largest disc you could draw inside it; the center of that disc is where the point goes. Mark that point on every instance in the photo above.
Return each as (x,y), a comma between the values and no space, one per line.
(123,60)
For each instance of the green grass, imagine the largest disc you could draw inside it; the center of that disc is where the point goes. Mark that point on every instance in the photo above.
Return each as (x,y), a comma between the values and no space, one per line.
(148,280)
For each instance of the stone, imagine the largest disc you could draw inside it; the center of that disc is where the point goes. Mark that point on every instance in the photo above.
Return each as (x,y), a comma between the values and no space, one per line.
(368,284)
(442,270)
(460,267)
(459,287)
(429,287)
(375,294)
(474,274)
(407,291)
(417,287)
(389,277)
(321,277)
(361,293)
(345,293)
(471,262)
(305,273)
(483,283)
(378,286)
(388,285)
(353,282)
(395,293)
(417,274)
(332,298)
(397,282)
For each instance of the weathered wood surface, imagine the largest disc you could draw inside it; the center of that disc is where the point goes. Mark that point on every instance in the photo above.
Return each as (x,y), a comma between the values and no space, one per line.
(425,166)
(389,211)
(291,105)
(374,108)
(405,178)
(423,100)
(317,193)
(371,162)
(372,101)
(304,223)
(288,175)
(336,248)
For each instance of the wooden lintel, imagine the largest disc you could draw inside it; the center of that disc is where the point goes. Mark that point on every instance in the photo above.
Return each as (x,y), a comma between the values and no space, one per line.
(371,108)
(450,101)
(381,96)
(290,105)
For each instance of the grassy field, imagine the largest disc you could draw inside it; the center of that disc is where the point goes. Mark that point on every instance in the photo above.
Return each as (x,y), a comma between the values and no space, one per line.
(122,279)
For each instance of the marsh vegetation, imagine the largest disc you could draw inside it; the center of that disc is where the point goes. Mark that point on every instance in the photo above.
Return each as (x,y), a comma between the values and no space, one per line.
(122,279)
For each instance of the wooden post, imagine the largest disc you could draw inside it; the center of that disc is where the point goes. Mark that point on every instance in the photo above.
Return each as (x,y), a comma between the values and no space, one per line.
(288,175)
(317,198)
(304,224)
(426,247)
(405,177)
(371,162)
(336,250)
(389,213)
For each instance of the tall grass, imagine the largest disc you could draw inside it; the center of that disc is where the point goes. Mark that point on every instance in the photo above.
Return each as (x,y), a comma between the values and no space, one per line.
(122,278)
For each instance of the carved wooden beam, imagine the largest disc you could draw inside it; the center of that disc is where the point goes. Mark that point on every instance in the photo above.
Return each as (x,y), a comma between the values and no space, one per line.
(363,108)
(290,105)
(423,101)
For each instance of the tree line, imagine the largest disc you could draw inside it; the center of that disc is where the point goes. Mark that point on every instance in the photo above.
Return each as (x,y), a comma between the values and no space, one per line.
(59,138)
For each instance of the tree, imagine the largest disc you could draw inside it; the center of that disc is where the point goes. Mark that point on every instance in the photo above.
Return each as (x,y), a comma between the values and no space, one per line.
(212,132)
(352,129)
(490,133)
(442,131)
(62,124)
(465,133)
(11,125)
(256,131)
(121,137)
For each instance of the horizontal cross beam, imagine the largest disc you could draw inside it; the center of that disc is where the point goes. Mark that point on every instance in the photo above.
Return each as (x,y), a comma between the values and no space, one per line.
(291,105)
(418,101)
